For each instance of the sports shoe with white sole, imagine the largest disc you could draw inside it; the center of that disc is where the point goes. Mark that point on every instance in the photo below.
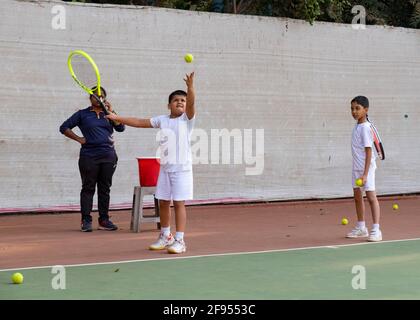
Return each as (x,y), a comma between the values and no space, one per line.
(375,236)
(358,233)
(162,242)
(177,247)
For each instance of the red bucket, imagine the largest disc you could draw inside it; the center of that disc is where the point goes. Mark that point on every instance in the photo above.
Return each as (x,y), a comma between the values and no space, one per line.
(148,171)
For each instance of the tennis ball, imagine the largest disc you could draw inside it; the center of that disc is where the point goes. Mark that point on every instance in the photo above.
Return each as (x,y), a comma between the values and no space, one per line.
(344,221)
(395,206)
(188,58)
(359,182)
(17,278)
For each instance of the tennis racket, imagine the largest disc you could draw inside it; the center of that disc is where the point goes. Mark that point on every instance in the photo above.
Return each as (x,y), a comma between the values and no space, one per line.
(377,141)
(85,73)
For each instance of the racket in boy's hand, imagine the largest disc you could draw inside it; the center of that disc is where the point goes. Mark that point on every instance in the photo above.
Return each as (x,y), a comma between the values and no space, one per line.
(85,73)
(377,141)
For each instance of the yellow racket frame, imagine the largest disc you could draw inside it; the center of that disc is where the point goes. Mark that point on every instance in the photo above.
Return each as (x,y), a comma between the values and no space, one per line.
(94,67)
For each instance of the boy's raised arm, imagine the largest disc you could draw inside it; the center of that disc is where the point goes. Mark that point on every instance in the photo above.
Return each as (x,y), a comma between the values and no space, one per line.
(190,107)
(129,121)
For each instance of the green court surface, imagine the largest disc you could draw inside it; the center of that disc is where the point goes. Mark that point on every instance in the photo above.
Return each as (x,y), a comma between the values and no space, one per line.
(392,272)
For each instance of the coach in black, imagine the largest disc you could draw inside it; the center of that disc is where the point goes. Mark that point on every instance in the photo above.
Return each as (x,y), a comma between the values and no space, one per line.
(97,161)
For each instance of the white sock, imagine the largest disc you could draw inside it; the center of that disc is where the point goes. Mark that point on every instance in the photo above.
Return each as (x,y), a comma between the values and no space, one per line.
(361,224)
(179,235)
(166,231)
(375,227)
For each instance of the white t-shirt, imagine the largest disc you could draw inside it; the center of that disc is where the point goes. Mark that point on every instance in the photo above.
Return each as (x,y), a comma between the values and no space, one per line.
(174,142)
(362,137)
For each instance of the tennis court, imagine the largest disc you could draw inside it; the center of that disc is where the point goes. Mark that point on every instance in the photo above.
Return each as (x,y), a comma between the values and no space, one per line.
(288,251)
(312,273)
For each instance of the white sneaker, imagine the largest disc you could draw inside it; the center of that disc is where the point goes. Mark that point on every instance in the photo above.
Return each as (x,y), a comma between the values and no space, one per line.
(375,235)
(162,242)
(177,247)
(358,233)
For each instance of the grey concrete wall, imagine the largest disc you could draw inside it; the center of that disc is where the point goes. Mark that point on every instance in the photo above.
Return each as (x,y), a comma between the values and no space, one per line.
(291,79)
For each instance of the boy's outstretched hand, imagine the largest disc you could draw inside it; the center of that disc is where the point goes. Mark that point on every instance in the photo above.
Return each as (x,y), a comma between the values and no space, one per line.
(189,80)
(108,105)
(190,107)
(112,116)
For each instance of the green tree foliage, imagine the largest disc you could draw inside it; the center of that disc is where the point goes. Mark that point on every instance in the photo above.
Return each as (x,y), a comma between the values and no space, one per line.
(401,13)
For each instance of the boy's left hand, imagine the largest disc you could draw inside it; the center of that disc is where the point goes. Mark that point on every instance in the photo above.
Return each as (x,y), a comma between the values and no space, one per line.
(108,105)
(112,116)
(189,79)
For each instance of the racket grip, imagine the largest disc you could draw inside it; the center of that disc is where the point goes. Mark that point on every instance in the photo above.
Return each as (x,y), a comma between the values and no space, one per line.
(104,109)
(115,122)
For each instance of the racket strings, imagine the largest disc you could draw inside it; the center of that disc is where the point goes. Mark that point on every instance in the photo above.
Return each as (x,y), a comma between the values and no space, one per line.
(84,71)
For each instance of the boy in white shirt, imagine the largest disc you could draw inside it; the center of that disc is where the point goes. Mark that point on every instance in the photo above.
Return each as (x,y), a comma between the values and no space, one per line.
(175,180)
(364,167)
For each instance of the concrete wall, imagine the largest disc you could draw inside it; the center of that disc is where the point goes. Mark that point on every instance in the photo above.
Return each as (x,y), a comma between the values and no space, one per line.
(291,79)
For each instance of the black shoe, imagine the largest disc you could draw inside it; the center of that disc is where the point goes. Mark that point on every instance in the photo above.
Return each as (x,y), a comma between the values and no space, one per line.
(86,226)
(106,225)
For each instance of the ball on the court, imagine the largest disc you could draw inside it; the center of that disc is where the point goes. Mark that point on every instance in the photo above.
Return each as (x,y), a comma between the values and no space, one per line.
(359,182)
(188,58)
(17,278)
(344,221)
(395,206)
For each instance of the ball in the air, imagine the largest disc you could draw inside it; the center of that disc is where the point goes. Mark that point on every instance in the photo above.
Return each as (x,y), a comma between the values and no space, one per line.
(344,221)
(359,182)
(17,278)
(395,206)
(188,58)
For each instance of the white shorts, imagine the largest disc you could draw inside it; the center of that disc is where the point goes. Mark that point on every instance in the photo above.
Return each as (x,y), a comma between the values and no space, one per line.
(370,181)
(177,186)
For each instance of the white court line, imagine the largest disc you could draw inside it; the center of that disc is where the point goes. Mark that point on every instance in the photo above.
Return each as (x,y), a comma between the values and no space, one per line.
(218,254)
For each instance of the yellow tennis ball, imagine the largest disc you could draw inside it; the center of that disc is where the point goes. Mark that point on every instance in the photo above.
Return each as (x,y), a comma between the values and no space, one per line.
(395,206)
(188,58)
(359,182)
(344,221)
(17,278)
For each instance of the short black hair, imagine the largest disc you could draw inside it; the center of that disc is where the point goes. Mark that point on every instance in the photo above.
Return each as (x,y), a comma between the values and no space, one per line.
(103,91)
(362,100)
(176,93)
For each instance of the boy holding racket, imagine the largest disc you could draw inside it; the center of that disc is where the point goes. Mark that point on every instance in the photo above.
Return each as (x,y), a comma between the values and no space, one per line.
(175,180)
(364,167)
